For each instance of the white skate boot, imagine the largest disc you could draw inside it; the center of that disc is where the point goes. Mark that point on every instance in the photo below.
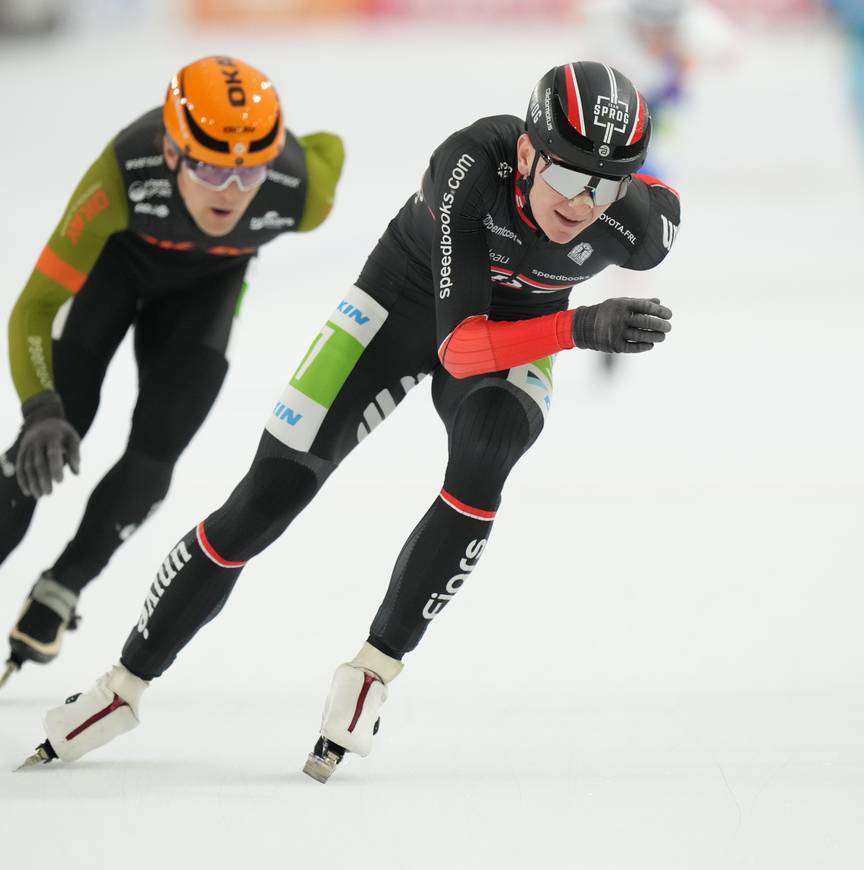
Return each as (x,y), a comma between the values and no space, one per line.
(91,719)
(350,719)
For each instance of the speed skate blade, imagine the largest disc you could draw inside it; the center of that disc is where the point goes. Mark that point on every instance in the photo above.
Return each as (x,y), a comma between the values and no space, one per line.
(11,667)
(320,768)
(43,754)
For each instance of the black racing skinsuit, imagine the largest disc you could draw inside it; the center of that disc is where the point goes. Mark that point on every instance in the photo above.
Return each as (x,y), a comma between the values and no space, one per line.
(462,247)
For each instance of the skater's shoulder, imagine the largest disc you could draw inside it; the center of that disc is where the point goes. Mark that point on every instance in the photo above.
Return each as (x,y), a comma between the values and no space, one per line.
(646,220)
(320,147)
(496,128)
(139,145)
(488,140)
(661,196)
(317,157)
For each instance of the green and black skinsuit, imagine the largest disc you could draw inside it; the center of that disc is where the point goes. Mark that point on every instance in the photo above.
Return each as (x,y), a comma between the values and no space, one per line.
(127,252)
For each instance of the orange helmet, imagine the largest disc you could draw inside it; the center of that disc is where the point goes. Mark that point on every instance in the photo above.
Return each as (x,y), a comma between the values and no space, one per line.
(224,112)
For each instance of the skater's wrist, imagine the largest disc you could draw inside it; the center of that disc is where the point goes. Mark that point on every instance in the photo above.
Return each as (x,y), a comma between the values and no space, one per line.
(583,327)
(46,405)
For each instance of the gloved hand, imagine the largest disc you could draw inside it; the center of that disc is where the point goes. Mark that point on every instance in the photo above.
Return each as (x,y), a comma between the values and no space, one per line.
(48,441)
(621,325)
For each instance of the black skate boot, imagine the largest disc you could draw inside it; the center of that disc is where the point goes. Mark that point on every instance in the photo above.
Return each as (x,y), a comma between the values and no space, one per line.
(48,612)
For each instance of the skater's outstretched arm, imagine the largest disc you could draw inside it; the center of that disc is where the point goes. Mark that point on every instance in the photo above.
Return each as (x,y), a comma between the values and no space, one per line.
(97,210)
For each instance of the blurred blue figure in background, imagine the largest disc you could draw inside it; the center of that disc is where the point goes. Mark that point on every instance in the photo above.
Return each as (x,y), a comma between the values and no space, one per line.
(850,14)
(662,45)
(672,40)
(657,25)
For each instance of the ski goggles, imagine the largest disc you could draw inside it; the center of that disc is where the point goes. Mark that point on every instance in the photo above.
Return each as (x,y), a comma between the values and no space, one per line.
(219,177)
(570,182)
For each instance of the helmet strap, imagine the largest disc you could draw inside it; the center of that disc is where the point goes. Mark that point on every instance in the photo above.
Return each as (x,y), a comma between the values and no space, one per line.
(179,164)
(526,182)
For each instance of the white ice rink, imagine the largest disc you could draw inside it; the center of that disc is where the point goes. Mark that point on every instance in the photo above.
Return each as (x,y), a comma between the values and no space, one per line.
(659,662)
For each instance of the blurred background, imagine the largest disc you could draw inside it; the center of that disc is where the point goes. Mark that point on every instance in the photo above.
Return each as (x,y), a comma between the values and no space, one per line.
(659,660)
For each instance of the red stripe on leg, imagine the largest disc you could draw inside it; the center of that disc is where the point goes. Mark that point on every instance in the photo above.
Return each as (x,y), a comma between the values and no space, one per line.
(207,547)
(116,704)
(466,509)
(368,679)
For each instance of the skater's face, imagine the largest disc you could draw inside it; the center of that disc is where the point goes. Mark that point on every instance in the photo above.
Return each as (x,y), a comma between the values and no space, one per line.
(562,219)
(216,212)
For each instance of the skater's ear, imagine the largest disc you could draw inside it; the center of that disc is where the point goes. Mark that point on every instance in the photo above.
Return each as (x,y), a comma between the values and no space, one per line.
(524,154)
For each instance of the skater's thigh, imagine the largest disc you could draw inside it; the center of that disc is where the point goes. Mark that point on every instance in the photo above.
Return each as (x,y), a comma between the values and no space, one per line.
(359,367)
(180,344)
(179,322)
(87,331)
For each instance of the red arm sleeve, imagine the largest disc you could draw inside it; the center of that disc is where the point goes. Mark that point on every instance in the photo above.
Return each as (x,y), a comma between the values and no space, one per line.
(477,345)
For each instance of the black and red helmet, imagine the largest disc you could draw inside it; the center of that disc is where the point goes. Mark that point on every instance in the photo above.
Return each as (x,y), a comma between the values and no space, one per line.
(591,116)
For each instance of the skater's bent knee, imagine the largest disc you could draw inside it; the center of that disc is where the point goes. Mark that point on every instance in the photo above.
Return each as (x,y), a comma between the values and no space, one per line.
(270,496)
(279,486)
(490,429)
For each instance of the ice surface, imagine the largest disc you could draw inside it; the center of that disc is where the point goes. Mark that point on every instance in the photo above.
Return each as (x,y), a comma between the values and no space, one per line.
(658,663)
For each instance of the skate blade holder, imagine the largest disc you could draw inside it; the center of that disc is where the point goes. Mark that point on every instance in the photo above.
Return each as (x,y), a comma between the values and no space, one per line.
(43,754)
(322,760)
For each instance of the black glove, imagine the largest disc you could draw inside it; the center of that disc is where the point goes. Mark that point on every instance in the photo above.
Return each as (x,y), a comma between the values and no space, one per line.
(621,325)
(48,441)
